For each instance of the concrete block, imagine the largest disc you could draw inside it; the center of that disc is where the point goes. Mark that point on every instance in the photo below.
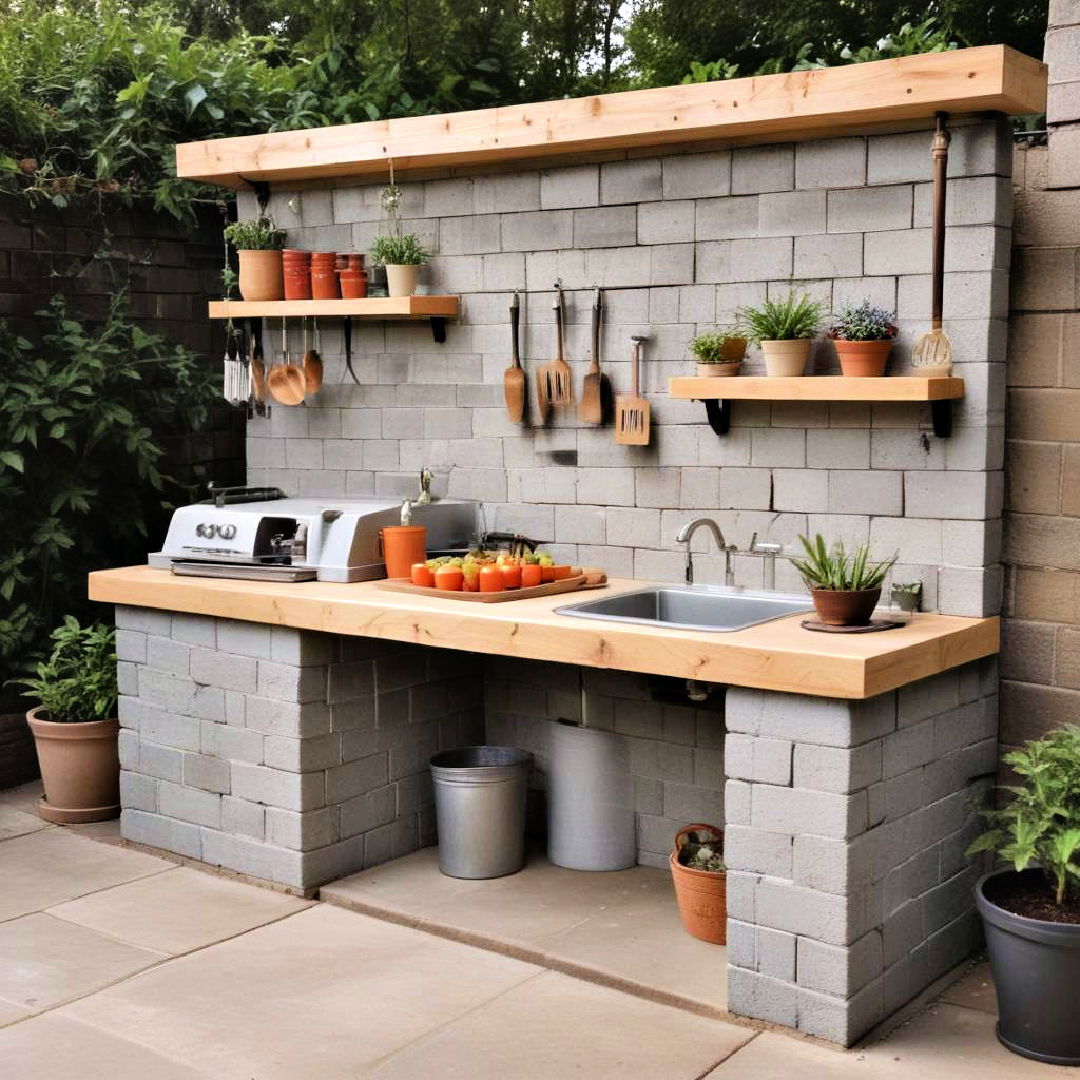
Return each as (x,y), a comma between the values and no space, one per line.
(823,916)
(448,198)
(968,495)
(282,682)
(792,213)
(633,181)
(871,209)
(303,755)
(302,831)
(372,810)
(350,680)
(189,804)
(670,222)
(686,803)
(157,831)
(778,447)
(763,168)
(697,176)
(498,194)
(840,970)
(976,200)
(760,759)
(245,639)
(607,226)
(542,230)
(301,648)
(757,850)
(841,1021)
(834,866)
(355,778)
(137,791)
(274,787)
(657,834)
(470,235)
(578,185)
(164,654)
(862,491)
(829,255)
(212,668)
(207,773)
(744,489)
(127,677)
(800,490)
(131,646)
(970,591)
(181,697)
(169,730)
(244,818)
(841,771)
(820,721)
(737,795)
(908,748)
(289,718)
(830,163)
(727,219)
(792,810)
(761,998)
(247,856)
(143,620)
(765,259)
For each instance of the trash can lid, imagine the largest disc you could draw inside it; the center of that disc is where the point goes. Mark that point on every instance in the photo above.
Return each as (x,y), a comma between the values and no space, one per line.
(481,757)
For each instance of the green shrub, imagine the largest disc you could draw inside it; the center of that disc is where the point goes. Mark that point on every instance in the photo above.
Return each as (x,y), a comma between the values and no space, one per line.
(258,234)
(1041,823)
(863,322)
(710,348)
(405,250)
(796,316)
(835,568)
(78,680)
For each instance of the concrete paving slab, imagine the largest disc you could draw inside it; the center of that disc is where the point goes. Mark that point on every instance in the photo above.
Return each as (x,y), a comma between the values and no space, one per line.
(178,911)
(10,1012)
(975,990)
(15,821)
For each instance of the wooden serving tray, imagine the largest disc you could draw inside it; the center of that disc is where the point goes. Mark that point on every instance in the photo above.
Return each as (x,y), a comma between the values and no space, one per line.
(570,584)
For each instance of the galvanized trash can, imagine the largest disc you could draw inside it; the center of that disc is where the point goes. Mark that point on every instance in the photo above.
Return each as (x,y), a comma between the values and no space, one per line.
(480,810)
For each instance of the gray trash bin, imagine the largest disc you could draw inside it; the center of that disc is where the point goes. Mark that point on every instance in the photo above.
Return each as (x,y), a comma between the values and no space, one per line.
(480,810)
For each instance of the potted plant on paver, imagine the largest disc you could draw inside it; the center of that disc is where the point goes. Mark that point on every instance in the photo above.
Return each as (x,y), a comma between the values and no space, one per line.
(863,335)
(785,330)
(719,354)
(700,878)
(258,247)
(74,724)
(1031,911)
(845,587)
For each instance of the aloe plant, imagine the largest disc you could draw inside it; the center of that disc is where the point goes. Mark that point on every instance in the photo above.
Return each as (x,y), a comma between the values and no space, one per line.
(839,570)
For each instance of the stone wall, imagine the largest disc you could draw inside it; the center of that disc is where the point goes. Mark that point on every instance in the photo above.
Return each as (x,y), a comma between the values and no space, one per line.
(1041,655)
(679,242)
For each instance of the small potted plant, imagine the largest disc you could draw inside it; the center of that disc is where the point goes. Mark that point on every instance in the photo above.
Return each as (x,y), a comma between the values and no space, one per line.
(1031,911)
(719,354)
(258,247)
(402,256)
(74,724)
(785,331)
(863,335)
(700,879)
(845,587)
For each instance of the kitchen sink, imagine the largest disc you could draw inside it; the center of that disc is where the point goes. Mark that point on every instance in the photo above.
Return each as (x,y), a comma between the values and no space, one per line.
(690,607)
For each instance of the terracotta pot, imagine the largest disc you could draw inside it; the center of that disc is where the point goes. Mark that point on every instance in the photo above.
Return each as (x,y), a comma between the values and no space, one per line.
(297,267)
(786,359)
(403,545)
(719,371)
(845,608)
(701,896)
(356,261)
(324,283)
(80,769)
(863,359)
(261,275)
(401,280)
(353,284)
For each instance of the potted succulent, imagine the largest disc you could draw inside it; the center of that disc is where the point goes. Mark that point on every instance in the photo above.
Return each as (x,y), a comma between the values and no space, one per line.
(1031,911)
(845,587)
(863,335)
(74,724)
(720,353)
(258,246)
(785,330)
(700,879)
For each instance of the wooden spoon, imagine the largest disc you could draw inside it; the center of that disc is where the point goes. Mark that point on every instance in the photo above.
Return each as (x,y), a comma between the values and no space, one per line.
(258,368)
(514,376)
(313,365)
(285,380)
(591,408)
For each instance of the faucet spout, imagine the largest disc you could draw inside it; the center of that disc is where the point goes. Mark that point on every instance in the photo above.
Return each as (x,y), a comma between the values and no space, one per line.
(686,534)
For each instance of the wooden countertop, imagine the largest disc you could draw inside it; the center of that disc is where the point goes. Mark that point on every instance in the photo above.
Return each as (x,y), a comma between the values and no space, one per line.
(778,655)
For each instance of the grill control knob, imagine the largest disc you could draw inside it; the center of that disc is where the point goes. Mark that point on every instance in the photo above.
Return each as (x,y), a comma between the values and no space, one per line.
(226,532)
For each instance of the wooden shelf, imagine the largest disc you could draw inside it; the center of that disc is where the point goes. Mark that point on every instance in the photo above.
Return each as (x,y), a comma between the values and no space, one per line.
(370,307)
(718,394)
(769,108)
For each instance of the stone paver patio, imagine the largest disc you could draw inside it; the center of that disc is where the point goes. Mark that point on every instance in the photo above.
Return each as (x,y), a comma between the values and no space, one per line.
(116,963)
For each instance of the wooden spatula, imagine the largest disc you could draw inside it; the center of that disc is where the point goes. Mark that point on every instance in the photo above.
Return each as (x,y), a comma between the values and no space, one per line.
(313,365)
(556,373)
(258,367)
(591,408)
(632,410)
(514,376)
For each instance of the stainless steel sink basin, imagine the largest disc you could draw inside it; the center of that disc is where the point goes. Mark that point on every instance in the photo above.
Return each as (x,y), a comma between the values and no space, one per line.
(690,607)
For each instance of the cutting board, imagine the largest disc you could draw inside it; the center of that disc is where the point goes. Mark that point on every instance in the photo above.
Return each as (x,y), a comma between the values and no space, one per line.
(570,584)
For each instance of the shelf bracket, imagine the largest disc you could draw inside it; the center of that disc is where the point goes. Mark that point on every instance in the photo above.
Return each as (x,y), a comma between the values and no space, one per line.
(941,417)
(438,328)
(719,414)
(262,193)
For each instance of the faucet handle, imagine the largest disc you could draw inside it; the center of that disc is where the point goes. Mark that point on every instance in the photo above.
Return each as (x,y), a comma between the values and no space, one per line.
(764,547)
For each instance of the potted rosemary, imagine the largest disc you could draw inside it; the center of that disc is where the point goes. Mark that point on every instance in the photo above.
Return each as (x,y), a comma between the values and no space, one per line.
(720,353)
(700,878)
(845,587)
(258,247)
(401,253)
(74,725)
(1031,910)
(863,335)
(785,330)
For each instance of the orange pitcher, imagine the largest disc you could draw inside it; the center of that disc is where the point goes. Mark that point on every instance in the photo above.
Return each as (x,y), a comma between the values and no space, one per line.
(402,546)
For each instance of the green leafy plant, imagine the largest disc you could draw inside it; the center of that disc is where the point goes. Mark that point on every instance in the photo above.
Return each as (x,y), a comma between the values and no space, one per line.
(862,322)
(710,348)
(78,680)
(257,234)
(838,570)
(402,250)
(1041,823)
(796,316)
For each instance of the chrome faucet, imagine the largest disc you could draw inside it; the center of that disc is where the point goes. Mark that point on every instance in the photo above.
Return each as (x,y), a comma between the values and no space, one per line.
(686,534)
(768,550)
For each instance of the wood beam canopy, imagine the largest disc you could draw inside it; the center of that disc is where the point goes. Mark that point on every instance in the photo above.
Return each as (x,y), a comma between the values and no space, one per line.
(796,105)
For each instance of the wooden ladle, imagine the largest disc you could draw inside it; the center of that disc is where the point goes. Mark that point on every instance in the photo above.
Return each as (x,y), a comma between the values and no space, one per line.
(285,381)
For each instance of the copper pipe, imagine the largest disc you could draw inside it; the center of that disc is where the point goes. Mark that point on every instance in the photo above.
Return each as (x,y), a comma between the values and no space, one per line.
(939,153)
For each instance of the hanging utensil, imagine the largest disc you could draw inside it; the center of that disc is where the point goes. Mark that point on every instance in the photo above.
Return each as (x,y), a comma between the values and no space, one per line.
(932,355)
(632,410)
(286,380)
(258,366)
(514,376)
(227,375)
(561,382)
(313,365)
(347,332)
(591,408)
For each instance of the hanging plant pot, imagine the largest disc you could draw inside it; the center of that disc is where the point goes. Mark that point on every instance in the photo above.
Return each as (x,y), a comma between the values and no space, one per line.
(261,275)
(786,359)
(863,359)
(401,280)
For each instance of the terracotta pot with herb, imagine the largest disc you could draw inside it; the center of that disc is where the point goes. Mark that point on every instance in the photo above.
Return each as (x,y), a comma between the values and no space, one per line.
(719,354)
(845,587)
(258,247)
(74,725)
(1031,911)
(785,331)
(700,878)
(863,336)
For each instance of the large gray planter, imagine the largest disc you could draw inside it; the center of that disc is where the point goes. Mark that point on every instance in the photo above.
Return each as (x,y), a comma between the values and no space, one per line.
(1036,968)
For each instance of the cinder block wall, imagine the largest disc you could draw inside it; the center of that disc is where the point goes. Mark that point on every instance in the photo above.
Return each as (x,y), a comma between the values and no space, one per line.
(1040,661)
(679,242)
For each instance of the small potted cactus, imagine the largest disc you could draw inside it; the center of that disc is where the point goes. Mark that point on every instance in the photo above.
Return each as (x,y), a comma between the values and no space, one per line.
(700,878)
(863,335)
(719,353)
